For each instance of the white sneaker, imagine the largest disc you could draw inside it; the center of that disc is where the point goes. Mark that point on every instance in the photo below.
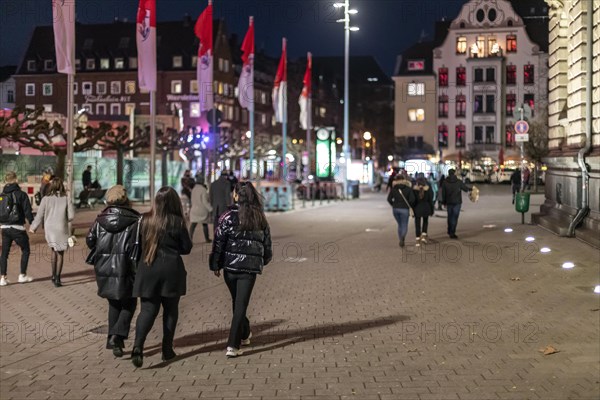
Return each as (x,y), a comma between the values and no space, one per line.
(418,243)
(246,342)
(424,238)
(233,352)
(24,278)
(4,281)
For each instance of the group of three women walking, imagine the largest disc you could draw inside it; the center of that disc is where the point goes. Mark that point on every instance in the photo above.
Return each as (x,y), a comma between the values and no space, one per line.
(139,256)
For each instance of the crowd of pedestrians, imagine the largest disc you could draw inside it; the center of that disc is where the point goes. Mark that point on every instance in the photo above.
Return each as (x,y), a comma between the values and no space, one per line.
(416,197)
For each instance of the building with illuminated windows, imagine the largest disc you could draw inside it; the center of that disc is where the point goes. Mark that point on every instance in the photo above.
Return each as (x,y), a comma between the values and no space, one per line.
(493,61)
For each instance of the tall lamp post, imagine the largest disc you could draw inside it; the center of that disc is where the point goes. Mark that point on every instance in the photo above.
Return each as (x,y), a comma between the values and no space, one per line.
(347,28)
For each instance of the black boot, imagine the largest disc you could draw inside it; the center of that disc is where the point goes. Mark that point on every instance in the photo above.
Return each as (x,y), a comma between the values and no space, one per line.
(137,357)
(57,282)
(168,353)
(117,345)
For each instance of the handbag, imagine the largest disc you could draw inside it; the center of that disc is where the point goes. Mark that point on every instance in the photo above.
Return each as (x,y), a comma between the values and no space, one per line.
(411,211)
(136,250)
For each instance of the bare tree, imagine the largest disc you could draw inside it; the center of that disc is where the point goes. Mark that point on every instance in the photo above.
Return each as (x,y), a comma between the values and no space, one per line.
(118,139)
(537,146)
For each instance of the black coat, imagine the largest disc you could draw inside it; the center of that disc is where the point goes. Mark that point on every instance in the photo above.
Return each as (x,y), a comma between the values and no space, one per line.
(239,251)
(220,195)
(22,203)
(451,190)
(395,198)
(166,276)
(113,235)
(423,207)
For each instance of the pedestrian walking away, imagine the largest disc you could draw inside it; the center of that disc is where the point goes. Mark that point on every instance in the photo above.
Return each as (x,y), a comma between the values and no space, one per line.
(201,209)
(220,196)
(242,247)
(56,214)
(15,210)
(232,180)
(439,194)
(423,206)
(161,276)
(401,198)
(187,183)
(111,240)
(86,177)
(515,183)
(452,189)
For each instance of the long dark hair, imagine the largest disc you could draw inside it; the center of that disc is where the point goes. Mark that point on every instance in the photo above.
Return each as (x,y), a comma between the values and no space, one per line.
(167,211)
(252,216)
(57,188)
(421,183)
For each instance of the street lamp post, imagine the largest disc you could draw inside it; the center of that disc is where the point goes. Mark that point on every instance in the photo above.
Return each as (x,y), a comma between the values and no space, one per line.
(347,28)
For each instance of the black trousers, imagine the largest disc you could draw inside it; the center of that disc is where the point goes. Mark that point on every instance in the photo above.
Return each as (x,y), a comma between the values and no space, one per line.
(120,314)
(421,228)
(240,286)
(10,235)
(148,313)
(204,230)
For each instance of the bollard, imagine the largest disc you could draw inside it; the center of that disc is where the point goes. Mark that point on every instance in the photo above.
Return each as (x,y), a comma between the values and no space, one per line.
(312,193)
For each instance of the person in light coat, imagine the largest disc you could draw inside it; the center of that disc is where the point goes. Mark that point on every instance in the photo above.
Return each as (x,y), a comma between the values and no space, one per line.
(201,208)
(56,213)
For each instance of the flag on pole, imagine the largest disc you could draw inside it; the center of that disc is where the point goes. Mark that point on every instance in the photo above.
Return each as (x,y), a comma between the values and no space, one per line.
(146,44)
(204,65)
(246,82)
(305,94)
(280,87)
(63,15)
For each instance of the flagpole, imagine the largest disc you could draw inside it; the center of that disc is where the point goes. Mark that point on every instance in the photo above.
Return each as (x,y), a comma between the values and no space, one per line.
(308,135)
(70,135)
(152,145)
(251,111)
(284,117)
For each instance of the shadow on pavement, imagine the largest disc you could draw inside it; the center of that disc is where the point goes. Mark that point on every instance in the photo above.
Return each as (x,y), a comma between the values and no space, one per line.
(279,338)
(84,274)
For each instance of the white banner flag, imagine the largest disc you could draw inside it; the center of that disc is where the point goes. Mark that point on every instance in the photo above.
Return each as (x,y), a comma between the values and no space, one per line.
(146,44)
(63,17)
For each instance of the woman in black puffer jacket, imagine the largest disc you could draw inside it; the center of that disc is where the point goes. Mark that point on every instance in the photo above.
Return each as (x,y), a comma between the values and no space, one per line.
(111,238)
(242,247)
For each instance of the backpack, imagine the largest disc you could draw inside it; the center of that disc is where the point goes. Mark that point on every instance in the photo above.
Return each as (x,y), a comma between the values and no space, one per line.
(9,210)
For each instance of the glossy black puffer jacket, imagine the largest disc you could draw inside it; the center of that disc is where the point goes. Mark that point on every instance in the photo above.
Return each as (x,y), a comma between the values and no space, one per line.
(239,251)
(113,235)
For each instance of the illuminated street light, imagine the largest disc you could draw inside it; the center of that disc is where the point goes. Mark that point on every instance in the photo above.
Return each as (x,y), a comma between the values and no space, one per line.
(248,134)
(367,136)
(390,158)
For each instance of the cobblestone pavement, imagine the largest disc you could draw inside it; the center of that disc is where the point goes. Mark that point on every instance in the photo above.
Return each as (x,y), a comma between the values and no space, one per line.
(342,313)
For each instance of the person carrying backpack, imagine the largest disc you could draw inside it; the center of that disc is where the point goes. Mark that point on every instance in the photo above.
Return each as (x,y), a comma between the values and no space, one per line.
(15,208)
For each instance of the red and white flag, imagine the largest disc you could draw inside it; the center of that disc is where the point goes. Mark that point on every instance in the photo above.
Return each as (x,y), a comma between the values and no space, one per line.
(246,82)
(63,16)
(280,87)
(305,94)
(204,65)
(146,44)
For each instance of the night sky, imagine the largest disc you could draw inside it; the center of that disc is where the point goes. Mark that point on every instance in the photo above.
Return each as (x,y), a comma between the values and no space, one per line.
(387,27)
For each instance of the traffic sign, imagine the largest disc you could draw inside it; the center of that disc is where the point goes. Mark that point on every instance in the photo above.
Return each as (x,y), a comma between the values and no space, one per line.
(522,137)
(521,127)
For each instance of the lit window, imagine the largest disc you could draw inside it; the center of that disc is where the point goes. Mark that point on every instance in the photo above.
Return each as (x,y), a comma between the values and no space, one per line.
(87,108)
(481,46)
(100,109)
(101,87)
(263,119)
(263,97)
(48,108)
(322,112)
(461,76)
(461,105)
(90,64)
(442,136)
(119,63)
(177,61)
(491,46)
(194,86)
(78,64)
(414,65)
(30,107)
(104,63)
(220,64)
(75,87)
(478,104)
(230,113)
(129,87)
(416,115)
(443,77)
(48,65)
(115,87)
(133,63)
(225,65)
(528,74)
(416,89)
(460,139)
(443,106)
(194,61)
(86,88)
(510,135)
(47,89)
(115,109)
(220,90)
(31,65)
(176,87)
(511,74)
(461,45)
(529,100)
(511,104)
(129,108)
(511,44)
(194,110)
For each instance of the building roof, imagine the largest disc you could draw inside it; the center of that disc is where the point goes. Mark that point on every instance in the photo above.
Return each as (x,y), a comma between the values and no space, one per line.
(7,71)
(363,69)
(117,39)
(418,51)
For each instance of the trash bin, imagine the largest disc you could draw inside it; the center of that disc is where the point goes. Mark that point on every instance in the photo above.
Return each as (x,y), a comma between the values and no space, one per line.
(522,202)
(353,189)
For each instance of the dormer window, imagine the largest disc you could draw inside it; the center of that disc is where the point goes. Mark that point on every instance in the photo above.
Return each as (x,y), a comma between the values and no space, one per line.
(88,43)
(90,64)
(104,63)
(48,65)
(119,63)
(31,65)
(177,61)
(461,45)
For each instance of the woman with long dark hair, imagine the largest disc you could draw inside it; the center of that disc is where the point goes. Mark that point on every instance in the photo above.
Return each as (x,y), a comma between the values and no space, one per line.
(161,275)
(242,247)
(424,207)
(56,214)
